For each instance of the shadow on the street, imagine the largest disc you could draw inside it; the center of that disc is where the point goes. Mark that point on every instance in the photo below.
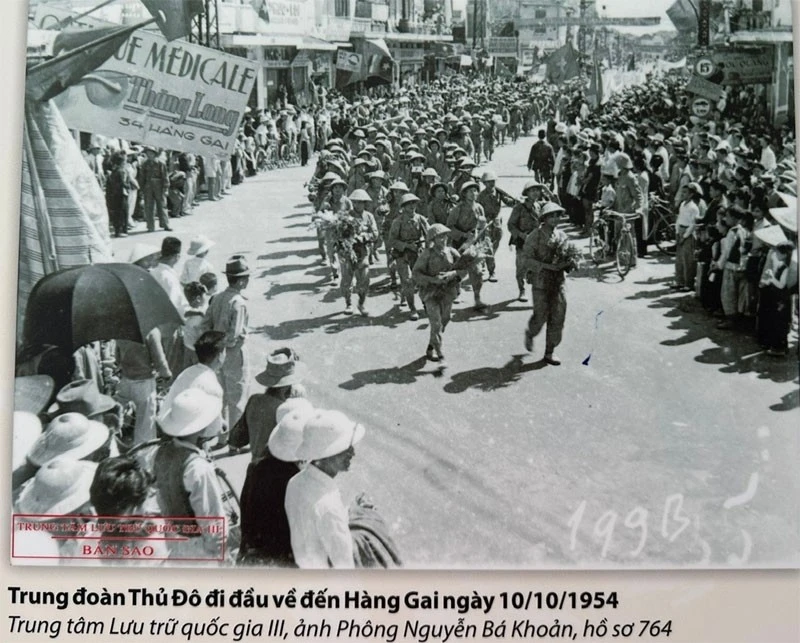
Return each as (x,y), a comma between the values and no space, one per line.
(297,225)
(287,267)
(296,215)
(312,287)
(332,323)
(492,311)
(490,378)
(405,374)
(285,254)
(294,239)
(736,351)
(788,402)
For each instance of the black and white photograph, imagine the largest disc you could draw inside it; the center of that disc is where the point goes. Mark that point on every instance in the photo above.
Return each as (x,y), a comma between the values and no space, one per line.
(407,284)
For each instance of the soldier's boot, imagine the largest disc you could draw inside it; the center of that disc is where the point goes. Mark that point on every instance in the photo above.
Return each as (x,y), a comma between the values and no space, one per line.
(413,307)
(362,300)
(349,308)
(429,353)
(522,295)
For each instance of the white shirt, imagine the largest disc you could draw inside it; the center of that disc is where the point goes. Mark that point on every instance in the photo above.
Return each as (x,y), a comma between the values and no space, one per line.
(688,212)
(197,376)
(318,521)
(194,268)
(168,279)
(768,159)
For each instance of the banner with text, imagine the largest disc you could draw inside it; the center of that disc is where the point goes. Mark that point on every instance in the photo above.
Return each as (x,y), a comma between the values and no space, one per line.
(174,95)
(291,16)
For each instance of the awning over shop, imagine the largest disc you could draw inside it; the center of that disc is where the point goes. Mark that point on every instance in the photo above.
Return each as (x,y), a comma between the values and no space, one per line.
(761,37)
(277,40)
(317,44)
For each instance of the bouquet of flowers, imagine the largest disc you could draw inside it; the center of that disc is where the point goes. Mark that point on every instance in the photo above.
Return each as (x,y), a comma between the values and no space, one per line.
(349,244)
(565,253)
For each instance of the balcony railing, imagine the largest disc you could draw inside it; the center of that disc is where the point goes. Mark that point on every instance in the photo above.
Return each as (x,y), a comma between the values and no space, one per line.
(367,25)
(501,45)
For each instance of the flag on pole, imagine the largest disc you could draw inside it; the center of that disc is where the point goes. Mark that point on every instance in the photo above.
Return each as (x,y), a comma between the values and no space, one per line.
(174,17)
(562,65)
(595,93)
(376,64)
(261,9)
(48,79)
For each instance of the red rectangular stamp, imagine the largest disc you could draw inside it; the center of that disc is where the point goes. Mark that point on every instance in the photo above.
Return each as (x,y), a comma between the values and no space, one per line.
(121,540)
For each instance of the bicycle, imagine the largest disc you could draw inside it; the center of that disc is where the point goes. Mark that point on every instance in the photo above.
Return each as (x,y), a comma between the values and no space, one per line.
(623,250)
(289,153)
(662,231)
(145,453)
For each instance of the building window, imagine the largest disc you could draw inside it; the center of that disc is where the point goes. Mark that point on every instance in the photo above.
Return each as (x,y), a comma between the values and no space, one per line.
(342,8)
(538,14)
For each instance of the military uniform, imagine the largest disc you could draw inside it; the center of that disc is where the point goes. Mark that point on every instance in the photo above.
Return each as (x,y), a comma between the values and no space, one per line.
(465,220)
(154,184)
(524,219)
(437,297)
(406,237)
(354,257)
(547,287)
(491,201)
(438,211)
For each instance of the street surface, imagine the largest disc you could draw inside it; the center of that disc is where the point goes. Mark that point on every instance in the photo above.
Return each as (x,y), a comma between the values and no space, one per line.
(660,441)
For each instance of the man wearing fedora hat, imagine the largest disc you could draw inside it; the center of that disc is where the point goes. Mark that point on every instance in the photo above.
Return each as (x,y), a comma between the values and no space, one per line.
(547,281)
(317,516)
(406,238)
(228,314)
(186,482)
(282,377)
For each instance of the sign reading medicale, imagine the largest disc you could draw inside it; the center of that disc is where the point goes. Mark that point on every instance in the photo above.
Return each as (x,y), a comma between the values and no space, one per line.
(174,95)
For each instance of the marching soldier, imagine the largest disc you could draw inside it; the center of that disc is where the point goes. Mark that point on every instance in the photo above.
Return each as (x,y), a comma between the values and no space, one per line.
(491,200)
(547,280)
(406,237)
(354,236)
(438,283)
(467,223)
(524,219)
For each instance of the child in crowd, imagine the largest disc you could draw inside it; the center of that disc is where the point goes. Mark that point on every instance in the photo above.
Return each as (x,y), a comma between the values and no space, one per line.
(197,264)
(192,326)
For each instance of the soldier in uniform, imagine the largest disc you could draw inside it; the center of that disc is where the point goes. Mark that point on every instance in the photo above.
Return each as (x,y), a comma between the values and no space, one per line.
(227,313)
(335,204)
(524,219)
(491,200)
(378,194)
(154,184)
(354,236)
(467,223)
(406,238)
(547,280)
(438,208)
(396,192)
(438,283)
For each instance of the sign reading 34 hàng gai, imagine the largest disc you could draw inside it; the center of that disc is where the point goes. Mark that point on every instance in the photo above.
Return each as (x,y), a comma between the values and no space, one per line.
(175,95)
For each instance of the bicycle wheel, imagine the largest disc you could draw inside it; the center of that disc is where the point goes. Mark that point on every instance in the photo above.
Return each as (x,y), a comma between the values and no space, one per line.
(664,236)
(625,252)
(597,244)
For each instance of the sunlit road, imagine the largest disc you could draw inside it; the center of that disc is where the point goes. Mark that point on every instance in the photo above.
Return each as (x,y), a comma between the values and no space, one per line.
(660,441)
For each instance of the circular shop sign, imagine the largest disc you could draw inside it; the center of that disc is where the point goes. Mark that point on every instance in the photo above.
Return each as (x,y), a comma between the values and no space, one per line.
(701,107)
